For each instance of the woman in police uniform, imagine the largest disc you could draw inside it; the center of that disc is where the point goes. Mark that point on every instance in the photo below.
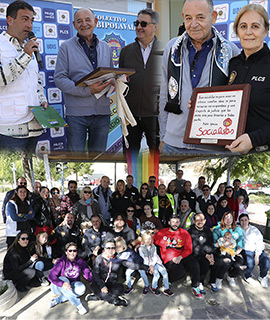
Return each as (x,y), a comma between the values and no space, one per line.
(253,66)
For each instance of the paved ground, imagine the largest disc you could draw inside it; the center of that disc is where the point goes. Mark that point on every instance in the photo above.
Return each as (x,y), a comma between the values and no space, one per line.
(242,302)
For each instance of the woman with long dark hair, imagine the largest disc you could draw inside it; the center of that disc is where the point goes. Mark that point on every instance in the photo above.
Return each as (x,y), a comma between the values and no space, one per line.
(43,215)
(17,262)
(143,198)
(233,203)
(54,203)
(19,214)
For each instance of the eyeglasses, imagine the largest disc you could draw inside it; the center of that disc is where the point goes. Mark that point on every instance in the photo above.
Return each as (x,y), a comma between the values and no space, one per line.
(142,23)
(152,180)
(72,250)
(24,238)
(229,191)
(206,189)
(144,188)
(55,192)
(23,183)
(110,248)
(89,192)
(130,210)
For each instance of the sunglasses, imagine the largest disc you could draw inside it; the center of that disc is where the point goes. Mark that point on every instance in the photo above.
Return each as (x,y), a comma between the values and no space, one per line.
(130,210)
(24,238)
(56,192)
(152,180)
(23,183)
(229,191)
(89,192)
(206,189)
(144,188)
(110,248)
(72,250)
(142,23)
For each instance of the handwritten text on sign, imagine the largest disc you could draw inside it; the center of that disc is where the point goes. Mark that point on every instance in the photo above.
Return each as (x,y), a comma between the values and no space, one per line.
(216,115)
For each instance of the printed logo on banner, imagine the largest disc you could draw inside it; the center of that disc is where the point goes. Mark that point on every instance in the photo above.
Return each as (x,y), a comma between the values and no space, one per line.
(59,109)
(57,132)
(116,43)
(58,145)
(223,30)
(40,46)
(54,95)
(43,146)
(50,62)
(263,3)
(51,46)
(232,35)
(222,12)
(38,13)
(49,15)
(3,26)
(63,32)
(50,79)
(37,29)
(3,10)
(42,78)
(235,6)
(50,30)
(63,16)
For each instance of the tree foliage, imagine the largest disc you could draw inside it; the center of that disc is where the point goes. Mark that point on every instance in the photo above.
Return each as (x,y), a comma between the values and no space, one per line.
(255,166)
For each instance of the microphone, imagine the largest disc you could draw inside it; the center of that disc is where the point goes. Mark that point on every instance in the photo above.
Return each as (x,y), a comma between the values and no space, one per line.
(31,35)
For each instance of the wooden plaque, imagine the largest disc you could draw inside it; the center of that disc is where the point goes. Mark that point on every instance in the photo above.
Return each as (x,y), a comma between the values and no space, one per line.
(218,114)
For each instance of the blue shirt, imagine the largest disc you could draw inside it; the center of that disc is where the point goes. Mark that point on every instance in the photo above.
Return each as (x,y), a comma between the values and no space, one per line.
(90,51)
(197,60)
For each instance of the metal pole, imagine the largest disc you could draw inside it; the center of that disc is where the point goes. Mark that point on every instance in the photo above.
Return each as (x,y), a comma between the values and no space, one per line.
(47,170)
(229,170)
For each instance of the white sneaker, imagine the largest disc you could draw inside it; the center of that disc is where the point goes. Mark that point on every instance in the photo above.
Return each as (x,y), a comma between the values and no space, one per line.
(263,281)
(218,283)
(251,281)
(231,281)
(81,309)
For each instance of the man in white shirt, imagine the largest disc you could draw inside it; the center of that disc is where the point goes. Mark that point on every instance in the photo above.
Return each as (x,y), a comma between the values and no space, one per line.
(255,255)
(20,85)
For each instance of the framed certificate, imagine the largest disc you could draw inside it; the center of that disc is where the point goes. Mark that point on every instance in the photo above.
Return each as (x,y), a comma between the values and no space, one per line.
(218,114)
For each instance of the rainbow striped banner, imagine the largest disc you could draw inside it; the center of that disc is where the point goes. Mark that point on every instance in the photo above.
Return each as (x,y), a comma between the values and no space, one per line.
(143,165)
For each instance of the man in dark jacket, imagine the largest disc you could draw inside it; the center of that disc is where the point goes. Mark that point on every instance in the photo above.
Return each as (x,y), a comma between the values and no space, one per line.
(65,233)
(140,56)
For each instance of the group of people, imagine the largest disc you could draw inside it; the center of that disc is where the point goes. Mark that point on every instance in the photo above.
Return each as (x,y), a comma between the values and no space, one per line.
(102,232)
(200,57)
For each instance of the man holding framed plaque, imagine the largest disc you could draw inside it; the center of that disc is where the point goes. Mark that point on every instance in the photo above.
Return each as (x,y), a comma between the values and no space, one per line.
(77,57)
(199,58)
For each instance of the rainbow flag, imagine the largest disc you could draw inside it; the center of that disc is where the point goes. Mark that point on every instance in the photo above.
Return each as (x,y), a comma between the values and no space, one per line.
(143,165)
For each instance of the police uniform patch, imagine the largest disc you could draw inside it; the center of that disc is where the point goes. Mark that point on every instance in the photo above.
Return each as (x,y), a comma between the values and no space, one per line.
(232,77)
(173,87)
(93,237)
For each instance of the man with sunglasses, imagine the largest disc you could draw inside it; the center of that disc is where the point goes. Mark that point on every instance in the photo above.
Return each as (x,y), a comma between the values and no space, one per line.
(85,114)
(21,181)
(204,200)
(140,56)
(152,186)
(199,58)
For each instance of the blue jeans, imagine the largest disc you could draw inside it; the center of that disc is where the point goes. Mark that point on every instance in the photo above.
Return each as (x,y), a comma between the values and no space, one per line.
(142,273)
(78,289)
(41,266)
(16,144)
(168,149)
(159,269)
(263,264)
(97,129)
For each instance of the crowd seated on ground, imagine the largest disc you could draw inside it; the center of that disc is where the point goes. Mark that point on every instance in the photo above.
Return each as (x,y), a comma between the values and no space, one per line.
(154,231)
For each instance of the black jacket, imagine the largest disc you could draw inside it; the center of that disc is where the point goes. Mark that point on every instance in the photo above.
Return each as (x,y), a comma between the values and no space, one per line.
(256,71)
(202,241)
(43,216)
(140,97)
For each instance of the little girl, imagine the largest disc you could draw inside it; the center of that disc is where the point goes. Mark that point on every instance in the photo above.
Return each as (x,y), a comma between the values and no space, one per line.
(132,261)
(148,252)
(44,252)
(242,206)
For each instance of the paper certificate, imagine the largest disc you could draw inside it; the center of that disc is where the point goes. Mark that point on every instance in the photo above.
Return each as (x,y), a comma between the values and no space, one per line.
(218,114)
